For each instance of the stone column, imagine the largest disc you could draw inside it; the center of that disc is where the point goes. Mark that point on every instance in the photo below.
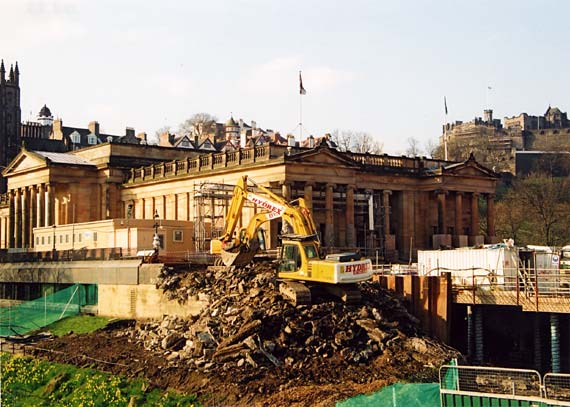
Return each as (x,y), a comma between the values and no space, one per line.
(41,206)
(491,218)
(308,195)
(441,212)
(142,212)
(33,213)
(286,190)
(386,204)
(474,214)
(329,215)
(25,218)
(458,213)
(459,240)
(11,218)
(17,219)
(350,230)
(50,204)
(175,206)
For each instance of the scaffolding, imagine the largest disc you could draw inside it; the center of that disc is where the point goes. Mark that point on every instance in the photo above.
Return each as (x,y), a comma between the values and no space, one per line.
(211,201)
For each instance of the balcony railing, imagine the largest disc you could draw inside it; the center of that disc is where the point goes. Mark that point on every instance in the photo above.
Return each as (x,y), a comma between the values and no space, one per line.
(205,162)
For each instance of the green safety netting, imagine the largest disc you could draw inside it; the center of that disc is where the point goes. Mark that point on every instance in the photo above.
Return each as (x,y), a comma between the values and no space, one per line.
(31,315)
(398,395)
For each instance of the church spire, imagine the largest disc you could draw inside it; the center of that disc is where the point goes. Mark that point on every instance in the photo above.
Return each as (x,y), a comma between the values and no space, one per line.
(2,72)
(11,74)
(16,77)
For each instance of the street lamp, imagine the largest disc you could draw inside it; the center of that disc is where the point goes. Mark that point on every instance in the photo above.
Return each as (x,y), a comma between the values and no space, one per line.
(129,214)
(156,239)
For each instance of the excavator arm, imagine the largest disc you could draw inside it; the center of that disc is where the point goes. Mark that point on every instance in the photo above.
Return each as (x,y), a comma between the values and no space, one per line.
(239,246)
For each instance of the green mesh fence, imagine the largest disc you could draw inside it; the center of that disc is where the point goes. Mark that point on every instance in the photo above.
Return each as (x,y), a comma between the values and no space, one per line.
(398,395)
(31,315)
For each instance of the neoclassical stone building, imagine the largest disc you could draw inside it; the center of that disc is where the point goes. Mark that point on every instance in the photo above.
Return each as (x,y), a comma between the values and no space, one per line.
(112,195)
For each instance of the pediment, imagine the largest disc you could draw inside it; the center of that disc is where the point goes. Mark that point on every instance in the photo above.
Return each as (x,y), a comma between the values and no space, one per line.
(25,161)
(469,168)
(321,156)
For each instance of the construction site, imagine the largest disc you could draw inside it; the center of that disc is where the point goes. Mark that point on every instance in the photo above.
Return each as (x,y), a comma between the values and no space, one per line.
(268,275)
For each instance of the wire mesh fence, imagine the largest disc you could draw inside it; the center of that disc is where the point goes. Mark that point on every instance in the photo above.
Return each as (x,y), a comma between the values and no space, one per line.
(557,386)
(31,315)
(467,386)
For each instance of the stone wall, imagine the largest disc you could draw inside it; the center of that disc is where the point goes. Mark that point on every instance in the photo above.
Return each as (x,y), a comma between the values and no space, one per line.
(142,301)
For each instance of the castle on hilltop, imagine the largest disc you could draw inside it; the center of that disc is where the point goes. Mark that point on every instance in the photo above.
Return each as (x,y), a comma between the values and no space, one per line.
(549,132)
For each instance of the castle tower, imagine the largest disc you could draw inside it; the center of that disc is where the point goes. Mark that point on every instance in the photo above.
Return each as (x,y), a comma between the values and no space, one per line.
(10,116)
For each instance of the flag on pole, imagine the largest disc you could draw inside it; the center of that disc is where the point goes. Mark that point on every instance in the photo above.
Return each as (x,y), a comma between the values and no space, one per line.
(302,90)
(445,104)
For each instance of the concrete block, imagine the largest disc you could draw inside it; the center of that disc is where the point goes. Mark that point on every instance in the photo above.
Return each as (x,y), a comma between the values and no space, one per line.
(460,240)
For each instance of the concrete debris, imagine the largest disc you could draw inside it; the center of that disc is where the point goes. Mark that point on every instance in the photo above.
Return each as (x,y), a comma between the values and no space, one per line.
(249,323)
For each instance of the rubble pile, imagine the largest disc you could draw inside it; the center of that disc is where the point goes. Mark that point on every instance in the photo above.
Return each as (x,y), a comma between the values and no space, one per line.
(249,325)
(250,346)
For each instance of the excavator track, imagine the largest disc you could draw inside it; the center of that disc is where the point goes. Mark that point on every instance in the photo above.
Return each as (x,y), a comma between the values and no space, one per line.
(297,293)
(347,293)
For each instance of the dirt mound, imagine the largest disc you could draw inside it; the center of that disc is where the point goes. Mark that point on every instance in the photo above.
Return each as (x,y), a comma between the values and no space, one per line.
(251,346)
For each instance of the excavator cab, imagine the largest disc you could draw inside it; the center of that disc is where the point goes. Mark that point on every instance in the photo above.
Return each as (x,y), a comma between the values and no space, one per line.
(296,255)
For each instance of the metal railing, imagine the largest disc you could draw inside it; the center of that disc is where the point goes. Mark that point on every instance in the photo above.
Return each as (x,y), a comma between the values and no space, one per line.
(527,287)
(490,385)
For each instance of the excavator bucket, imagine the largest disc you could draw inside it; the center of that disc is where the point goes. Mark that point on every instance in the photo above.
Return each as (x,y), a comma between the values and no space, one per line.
(237,258)
(240,256)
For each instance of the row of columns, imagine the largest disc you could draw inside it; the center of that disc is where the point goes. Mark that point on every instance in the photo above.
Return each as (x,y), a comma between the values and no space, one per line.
(30,207)
(474,224)
(349,213)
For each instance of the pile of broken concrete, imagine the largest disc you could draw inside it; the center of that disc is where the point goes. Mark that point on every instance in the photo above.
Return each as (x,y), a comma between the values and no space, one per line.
(247,324)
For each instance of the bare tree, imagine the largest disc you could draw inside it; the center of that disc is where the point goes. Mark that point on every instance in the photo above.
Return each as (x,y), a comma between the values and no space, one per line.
(199,124)
(413,149)
(356,142)
(431,148)
(511,218)
(546,198)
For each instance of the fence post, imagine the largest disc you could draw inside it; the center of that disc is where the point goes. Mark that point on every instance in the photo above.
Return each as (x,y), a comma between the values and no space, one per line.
(518,285)
(473,283)
(536,285)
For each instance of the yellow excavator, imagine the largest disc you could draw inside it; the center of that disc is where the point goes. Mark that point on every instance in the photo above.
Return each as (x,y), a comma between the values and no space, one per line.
(300,267)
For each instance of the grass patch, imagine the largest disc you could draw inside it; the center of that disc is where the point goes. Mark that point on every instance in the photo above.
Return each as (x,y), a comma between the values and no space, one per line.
(79,324)
(28,382)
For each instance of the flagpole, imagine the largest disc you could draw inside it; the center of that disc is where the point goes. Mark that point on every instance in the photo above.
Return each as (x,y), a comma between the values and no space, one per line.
(300,108)
(300,117)
(445,154)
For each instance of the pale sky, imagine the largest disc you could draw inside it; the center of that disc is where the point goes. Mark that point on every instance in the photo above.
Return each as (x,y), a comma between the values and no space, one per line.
(382,67)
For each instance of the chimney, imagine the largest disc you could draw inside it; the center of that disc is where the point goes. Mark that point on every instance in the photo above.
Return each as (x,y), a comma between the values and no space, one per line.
(488,115)
(242,140)
(241,123)
(94,128)
(290,140)
(142,136)
(164,139)
(253,124)
(311,141)
(129,132)
(57,129)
